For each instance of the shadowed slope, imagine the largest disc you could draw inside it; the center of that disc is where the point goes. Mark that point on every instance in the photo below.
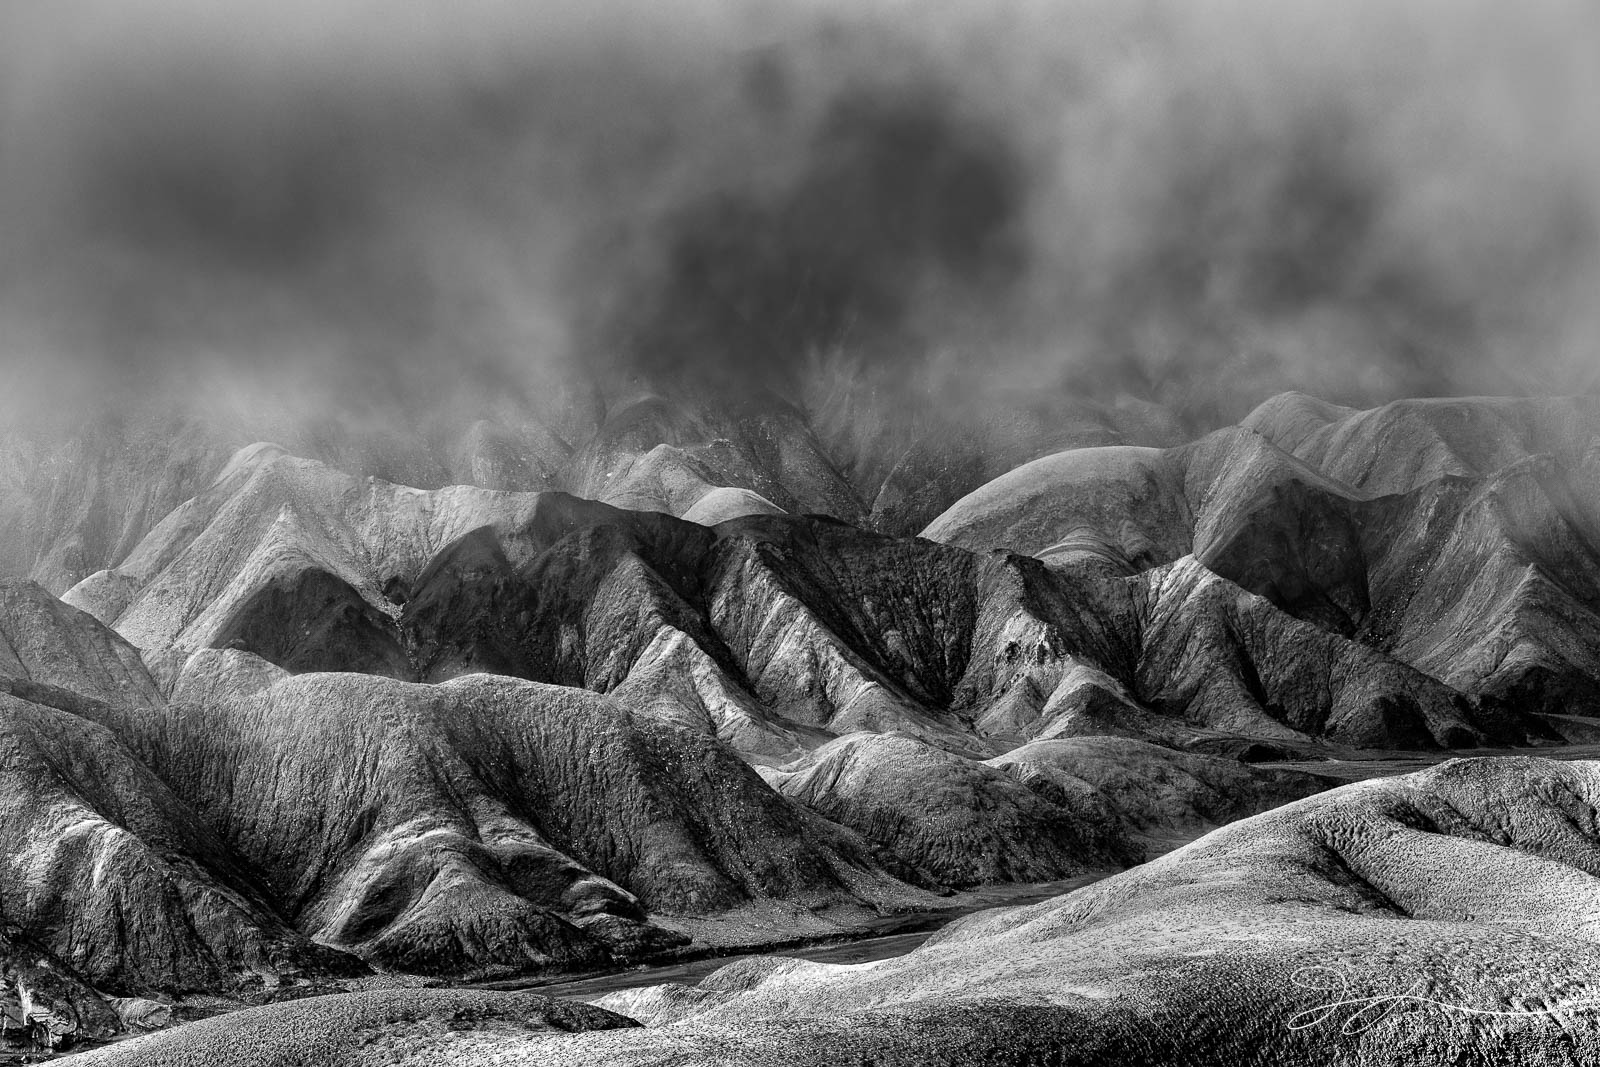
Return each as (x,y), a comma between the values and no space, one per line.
(45,641)
(1158,795)
(119,879)
(777,632)
(953,821)
(489,824)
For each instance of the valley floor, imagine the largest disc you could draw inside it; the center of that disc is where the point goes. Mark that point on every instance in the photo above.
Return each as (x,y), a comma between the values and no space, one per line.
(1387,765)
(877,939)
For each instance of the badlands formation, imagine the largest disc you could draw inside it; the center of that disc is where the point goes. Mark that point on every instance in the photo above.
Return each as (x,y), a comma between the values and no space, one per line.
(277,730)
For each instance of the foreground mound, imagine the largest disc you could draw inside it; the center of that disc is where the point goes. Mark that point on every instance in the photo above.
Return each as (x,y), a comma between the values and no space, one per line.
(118,879)
(400,1026)
(1451,916)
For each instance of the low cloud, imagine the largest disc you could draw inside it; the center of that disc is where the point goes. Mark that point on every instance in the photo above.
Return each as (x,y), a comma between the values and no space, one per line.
(371,211)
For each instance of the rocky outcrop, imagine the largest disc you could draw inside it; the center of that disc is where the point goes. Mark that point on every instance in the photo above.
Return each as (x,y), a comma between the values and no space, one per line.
(44,1005)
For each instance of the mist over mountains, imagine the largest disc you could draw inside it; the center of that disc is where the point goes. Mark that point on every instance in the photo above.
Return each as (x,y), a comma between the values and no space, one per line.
(374,212)
(492,492)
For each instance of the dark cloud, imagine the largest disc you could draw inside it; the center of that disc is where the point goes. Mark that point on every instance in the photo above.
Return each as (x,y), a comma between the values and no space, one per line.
(375,209)
(895,192)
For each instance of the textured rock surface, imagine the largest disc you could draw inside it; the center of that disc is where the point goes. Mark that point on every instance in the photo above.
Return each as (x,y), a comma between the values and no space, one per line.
(1158,796)
(952,821)
(1447,916)
(118,879)
(1458,537)
(537,752)
(43,640)
(79,503)
(268,520)
(489,825)
(775,633)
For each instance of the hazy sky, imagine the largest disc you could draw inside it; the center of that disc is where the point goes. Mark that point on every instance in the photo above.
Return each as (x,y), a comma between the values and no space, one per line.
(399,203)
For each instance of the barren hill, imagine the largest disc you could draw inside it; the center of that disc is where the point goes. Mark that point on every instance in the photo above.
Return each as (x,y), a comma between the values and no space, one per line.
(315,723)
